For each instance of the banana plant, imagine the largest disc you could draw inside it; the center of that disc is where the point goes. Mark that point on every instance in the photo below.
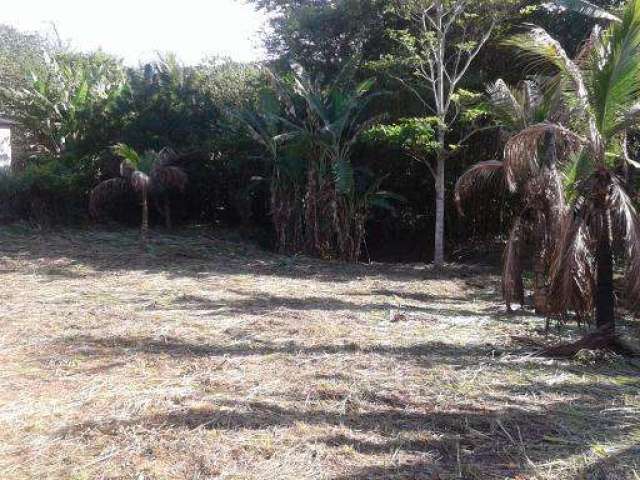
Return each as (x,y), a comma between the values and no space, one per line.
(64,103)
(287,172)
(336,116)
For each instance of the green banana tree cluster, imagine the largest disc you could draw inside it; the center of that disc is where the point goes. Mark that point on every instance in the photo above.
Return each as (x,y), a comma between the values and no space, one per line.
(320,201)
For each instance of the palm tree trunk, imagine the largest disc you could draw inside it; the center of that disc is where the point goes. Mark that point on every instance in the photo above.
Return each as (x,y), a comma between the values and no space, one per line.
(438,254)
(540,283)
(144,229)
(631,180)
(605,299)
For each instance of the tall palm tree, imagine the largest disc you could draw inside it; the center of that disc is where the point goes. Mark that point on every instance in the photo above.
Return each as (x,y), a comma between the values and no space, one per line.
(603,90)
(536,186)
(151,174)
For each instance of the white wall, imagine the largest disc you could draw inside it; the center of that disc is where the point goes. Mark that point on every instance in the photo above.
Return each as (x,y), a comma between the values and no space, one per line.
(5,148)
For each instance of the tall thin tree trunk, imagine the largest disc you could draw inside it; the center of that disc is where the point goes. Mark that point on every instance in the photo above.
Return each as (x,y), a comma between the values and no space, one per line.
(144,229)
(438,254)
(605,298)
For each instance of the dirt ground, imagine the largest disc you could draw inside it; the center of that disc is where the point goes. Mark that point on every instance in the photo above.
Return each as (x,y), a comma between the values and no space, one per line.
(207,358)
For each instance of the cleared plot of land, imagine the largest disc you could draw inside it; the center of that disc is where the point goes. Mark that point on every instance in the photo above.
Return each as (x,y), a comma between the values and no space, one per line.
(208,358)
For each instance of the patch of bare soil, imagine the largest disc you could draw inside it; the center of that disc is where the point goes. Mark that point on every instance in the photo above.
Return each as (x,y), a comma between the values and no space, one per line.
(207,358)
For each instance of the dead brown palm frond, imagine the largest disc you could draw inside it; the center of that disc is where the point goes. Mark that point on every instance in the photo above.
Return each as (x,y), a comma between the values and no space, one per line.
(512,284)
(165,172)
(481,176)
(586,50)
(105,193)
(521,158)
(169,178)
(626,224)
(572,279)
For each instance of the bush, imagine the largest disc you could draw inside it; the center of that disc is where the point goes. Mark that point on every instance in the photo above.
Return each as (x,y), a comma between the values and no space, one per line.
(49,191)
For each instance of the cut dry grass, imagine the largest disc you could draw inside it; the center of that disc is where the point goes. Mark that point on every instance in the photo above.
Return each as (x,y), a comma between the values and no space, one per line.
(208,358)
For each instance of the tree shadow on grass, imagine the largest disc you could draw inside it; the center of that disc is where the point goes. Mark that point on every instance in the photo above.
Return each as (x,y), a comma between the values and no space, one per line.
(499,437)
(264,303)
(195,253)
(624,463)
(116,346)
(433,441)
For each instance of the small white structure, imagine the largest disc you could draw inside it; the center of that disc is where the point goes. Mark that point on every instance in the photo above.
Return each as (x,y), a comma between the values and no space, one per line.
(6,127)
(5,148)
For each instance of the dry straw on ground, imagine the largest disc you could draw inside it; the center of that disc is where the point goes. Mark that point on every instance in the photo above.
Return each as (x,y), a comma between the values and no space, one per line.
(207,358)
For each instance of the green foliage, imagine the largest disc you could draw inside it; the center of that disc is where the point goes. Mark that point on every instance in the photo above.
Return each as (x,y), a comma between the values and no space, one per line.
(230,84)
(168,106)
(49,190)
(324,36)
(75,106)
(415,135)
(68,106)
(20,54)
(125,152)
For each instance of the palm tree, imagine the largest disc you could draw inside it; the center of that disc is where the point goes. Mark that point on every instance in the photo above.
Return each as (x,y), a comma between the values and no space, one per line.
(603,90)
(151,174)
(536,185)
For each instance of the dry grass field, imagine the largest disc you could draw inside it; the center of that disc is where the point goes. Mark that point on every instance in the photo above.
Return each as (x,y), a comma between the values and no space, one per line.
(207,358)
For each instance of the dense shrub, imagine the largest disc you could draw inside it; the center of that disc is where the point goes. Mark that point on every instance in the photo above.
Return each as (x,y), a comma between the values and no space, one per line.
(49,190)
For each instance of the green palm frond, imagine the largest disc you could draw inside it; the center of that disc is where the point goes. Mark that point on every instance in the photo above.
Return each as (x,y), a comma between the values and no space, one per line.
(506,106)
(343,176)
(615,75)
(587,8)
(516,108)
(578,167)
(127,153)
(540,49)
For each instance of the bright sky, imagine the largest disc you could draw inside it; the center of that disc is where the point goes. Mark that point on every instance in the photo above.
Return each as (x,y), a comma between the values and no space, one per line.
(135,29)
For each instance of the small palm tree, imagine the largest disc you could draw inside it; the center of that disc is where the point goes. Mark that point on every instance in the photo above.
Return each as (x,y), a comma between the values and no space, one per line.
(152,174)
(535,185)
(603,91)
